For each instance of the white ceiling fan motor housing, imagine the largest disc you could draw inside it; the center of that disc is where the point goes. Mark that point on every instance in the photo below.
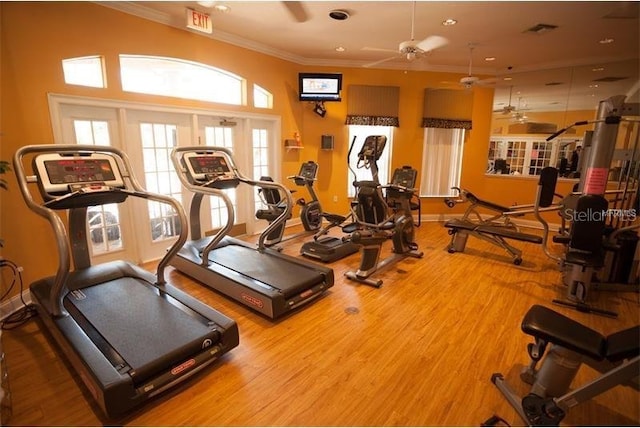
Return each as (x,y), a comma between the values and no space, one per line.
(469,80)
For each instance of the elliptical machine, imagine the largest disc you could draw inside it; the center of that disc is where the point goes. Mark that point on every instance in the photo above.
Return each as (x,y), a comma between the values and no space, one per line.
(310,212)
(375,220)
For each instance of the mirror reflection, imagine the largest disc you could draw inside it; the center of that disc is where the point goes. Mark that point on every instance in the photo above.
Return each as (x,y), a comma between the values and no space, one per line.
(530,106)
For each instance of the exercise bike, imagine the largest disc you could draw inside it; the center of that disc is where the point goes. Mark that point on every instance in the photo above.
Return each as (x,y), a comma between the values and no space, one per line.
(310,211)
(377,221)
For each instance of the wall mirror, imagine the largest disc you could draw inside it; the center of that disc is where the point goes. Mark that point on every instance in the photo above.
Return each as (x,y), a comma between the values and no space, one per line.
(530,106)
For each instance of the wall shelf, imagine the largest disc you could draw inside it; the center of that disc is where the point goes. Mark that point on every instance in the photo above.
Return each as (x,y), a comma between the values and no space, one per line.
(292,145)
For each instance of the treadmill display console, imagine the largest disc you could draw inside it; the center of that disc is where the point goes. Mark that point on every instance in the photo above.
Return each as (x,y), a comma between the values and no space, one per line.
(63,174)
(212,169)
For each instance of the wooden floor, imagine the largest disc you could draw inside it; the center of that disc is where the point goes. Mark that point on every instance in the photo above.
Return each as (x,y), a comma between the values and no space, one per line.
(418,351)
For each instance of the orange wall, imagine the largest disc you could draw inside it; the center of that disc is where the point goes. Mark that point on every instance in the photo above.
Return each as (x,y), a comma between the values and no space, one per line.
(35,37)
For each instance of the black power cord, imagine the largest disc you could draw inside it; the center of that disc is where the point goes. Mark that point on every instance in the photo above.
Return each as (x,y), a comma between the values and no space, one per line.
(26,312)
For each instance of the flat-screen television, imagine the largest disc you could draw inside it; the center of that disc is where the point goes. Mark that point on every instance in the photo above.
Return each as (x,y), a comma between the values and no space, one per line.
(319,86)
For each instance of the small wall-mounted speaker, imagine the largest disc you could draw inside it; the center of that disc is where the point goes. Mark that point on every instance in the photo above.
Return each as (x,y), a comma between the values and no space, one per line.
(326,142)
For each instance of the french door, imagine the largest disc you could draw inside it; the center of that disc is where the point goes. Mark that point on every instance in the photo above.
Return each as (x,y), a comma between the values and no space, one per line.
(139,230)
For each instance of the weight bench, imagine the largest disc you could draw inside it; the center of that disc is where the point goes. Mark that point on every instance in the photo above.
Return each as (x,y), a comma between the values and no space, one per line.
(616,357)
(499,227)
(461,229)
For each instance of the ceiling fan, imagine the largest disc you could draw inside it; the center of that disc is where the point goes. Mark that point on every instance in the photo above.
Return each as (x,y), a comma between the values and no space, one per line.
(515,114)
(470,80)
(508,109)
(411,49)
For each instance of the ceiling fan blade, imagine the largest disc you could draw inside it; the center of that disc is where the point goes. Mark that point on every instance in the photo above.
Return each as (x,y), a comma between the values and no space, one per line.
(366,48)
(371,64)
(297,10)
(431,43)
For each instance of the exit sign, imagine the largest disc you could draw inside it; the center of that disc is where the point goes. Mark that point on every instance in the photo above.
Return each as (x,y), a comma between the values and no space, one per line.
(199,21)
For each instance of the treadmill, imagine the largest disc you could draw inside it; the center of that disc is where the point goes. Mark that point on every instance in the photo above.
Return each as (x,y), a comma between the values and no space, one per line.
(128,333)
(260,278)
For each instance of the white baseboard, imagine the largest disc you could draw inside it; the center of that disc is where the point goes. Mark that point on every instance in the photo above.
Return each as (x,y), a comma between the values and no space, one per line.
(13,304)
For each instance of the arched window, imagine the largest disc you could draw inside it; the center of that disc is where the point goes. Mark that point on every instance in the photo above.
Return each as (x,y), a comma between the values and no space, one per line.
(174,77)
(262,98)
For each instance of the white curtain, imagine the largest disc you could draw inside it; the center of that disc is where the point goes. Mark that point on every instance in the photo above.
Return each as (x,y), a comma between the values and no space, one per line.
(441,161)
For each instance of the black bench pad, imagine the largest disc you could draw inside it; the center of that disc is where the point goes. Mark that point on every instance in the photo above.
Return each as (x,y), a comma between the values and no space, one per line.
(492,230)
(552,327)
(623,344)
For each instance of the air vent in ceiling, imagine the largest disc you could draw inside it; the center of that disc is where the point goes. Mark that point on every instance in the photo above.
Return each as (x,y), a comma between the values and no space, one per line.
(553,83)
(541,28)
(610,79)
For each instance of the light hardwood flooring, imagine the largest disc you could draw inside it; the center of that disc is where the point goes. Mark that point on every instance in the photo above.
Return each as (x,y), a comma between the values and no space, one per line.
(420,351)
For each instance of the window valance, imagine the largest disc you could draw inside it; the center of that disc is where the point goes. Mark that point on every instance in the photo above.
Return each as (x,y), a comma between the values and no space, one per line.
(373,105)
(447,108)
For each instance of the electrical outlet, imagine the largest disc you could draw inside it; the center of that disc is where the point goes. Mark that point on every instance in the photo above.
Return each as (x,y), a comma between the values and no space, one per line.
(335,198)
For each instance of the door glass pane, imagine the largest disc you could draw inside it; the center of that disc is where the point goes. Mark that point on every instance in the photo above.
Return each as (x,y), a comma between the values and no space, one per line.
(103,221)
(260,143)
(220,136)
(158,139)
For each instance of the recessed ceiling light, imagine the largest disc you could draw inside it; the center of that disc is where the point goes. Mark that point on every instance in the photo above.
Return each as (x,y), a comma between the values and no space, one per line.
(598,69)
(339,15)
(507,78)
(449,21)
(340,49)
(490,58)
(606,41)
(593,86)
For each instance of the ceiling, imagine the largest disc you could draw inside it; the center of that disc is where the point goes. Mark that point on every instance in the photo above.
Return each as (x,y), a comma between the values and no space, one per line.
(568,67)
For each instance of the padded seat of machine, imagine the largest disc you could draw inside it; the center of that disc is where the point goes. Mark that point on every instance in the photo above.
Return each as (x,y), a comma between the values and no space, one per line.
(493,230)
(623,344)
(473,198)
(553,327)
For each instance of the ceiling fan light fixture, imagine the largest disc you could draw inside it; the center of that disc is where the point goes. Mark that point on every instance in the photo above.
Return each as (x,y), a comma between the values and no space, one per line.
(222,8)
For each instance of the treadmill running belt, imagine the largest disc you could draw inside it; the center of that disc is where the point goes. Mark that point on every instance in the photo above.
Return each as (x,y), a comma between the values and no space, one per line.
(290,278)
(147,330)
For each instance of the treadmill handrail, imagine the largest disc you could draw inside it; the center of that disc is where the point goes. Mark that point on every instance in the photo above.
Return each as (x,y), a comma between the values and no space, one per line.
(62,241)
(177,154)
